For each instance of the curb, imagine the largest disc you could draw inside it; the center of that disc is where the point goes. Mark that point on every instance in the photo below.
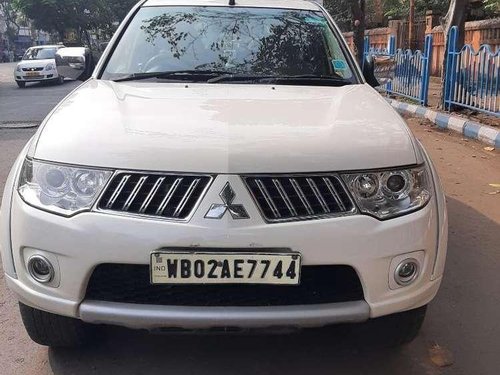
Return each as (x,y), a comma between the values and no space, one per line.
(18,125)
(469,129)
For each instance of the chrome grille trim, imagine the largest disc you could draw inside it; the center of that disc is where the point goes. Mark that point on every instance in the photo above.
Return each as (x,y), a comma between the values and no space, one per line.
(151,194)
(268,198)
(154,195)
(117,191)
(134,192)
(301,195)
(185,198)
(318,195)
(332,190)
(168,196)
(282,198)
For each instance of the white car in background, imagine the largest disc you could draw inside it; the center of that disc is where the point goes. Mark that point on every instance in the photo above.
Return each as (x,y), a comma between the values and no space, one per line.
(38,64)
(225,167)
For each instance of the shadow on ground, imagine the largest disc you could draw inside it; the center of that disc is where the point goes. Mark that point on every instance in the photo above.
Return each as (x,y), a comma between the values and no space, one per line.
(462,319)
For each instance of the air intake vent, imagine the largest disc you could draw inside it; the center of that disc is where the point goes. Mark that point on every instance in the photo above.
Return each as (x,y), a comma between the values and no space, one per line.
(168,196)
(302,197)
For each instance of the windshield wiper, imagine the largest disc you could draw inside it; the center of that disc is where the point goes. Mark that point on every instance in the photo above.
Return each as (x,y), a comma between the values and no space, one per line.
(193,74)
(293,79)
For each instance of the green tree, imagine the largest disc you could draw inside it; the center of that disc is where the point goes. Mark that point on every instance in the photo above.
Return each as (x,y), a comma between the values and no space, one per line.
(10,16)
(80,15)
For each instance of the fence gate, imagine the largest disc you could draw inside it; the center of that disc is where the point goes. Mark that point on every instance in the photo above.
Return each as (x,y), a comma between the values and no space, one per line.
(412,73)
(472,78)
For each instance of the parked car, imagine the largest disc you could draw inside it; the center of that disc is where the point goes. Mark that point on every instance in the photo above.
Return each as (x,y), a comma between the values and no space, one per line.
(224,167)
(38,64)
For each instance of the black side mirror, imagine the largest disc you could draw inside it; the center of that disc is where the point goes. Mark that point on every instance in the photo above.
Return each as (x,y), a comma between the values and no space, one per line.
(369,71)
(379,70)
(75,63)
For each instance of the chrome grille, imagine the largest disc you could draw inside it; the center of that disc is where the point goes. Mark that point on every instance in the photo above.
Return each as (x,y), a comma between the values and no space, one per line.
(168,196)
(299,197)
(32,69)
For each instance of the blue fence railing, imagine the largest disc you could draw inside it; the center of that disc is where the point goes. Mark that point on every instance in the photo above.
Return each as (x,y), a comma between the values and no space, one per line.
(412,72)
(472,78)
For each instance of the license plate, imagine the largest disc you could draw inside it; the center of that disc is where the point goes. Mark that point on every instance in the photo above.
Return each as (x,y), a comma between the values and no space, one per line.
(32,74)
(225,268)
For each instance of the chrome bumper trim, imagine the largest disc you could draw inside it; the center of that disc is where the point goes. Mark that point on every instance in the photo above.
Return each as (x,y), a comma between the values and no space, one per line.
(189,317)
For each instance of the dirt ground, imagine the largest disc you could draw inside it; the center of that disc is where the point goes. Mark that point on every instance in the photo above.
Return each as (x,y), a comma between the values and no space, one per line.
(465,167)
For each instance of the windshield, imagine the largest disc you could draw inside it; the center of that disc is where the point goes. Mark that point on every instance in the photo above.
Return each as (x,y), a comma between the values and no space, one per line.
(40,53)
(234,40)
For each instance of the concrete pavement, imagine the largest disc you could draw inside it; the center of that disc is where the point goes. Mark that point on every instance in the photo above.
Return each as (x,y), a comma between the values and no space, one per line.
(463,319)
(29,105)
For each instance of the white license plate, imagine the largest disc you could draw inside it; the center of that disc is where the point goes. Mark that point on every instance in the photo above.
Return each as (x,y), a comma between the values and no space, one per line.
(225,268)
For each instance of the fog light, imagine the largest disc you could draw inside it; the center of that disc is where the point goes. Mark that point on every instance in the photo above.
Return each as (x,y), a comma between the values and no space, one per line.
(40,269)
(406,272)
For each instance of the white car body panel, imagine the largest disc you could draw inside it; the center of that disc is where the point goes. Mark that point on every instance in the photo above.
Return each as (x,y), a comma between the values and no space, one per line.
(237,128)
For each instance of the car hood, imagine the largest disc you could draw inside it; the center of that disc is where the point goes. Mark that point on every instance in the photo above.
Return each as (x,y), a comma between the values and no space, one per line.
(225,128)
(36,63)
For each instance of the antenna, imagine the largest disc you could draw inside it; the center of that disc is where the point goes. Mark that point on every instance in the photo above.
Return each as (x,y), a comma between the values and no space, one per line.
(232,2)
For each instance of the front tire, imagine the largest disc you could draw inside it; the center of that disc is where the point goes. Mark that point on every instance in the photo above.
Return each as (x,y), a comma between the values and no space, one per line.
(396,329)
(21,85)
(54,330)
(60,80)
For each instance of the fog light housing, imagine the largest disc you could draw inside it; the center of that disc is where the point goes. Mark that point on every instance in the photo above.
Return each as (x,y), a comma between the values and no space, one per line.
(40,269)
(406,272)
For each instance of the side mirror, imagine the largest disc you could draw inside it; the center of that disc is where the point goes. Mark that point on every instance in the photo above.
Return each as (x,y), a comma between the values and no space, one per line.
(379,70)
(75,62)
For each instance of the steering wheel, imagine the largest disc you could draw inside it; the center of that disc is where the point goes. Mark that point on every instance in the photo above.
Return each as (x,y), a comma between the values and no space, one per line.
(161,63)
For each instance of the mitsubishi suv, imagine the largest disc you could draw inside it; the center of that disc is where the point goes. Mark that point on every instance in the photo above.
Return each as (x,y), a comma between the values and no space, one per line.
(227,165)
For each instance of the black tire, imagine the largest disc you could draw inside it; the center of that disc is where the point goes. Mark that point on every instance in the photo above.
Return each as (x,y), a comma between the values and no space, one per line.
(21,85)
(60,80)
(396,329)
(55,330)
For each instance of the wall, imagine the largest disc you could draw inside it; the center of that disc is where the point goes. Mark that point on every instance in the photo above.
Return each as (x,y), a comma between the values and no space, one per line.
(477,33)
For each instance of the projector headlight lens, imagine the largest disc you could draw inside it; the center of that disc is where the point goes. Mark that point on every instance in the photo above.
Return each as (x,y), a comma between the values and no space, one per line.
(62,189)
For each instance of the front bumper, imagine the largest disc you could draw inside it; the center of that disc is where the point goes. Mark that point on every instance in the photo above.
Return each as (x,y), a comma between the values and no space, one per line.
(77,245)
(44,75)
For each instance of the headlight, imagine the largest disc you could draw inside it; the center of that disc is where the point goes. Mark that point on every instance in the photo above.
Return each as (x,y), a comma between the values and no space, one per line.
(18,68)
(391,193)
(50,66)
(61,189)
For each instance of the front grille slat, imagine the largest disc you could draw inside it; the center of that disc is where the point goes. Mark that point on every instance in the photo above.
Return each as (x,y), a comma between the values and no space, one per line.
(269,200)
(186,197)
(129,283)
(334,194)
(285,197)
(151,195)
(164,203)
(318,195)
(134,192)
(117,191)
(299,197)
(168,196)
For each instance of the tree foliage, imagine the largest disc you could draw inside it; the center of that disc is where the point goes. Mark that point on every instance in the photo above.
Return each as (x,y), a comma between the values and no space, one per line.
(81,15)
(11,21)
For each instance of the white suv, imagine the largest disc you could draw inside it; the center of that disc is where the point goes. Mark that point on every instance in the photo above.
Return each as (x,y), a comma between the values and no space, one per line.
(38,64)
(226,166)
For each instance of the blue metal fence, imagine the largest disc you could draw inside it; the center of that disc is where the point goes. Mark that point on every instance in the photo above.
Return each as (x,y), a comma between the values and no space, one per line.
(412,71)
(472,78)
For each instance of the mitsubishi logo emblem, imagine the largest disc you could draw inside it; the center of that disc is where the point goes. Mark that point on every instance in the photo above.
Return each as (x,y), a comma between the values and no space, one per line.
(217,210)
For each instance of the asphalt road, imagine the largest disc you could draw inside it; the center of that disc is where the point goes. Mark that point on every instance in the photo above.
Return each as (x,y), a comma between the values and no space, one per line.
(462,321)
(29,105)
